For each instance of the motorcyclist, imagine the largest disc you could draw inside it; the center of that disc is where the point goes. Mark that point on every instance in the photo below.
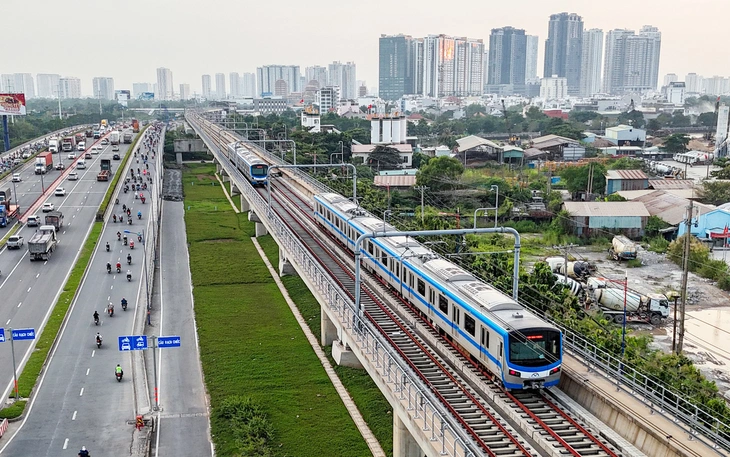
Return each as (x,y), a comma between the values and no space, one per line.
(125,240)
(110,309)
(98,339)
(96,317)
(124,303)
(119,267)
(129,259)
(116,202)
(131,245)
(118,370)
(107,246)
(124,207)
(115,218)
(83,452)
(139,214)
(136,195)
(108,267)
(119,236)
(129,275)
(129,220)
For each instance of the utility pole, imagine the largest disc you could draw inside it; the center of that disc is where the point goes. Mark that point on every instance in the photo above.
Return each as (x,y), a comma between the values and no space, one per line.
(422,189)
(565,249)
(685,270)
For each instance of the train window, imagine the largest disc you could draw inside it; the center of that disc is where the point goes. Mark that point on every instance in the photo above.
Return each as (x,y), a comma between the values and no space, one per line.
(443,304)
(384,258)
(485,338)
(405,273)
(370,247)
(469,324)
(421,287)
(410,277)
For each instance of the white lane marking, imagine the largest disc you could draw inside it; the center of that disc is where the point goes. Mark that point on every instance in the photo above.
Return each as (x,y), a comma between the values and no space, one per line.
(20,304)
(65,443)
(82,392)
(112,287)
(73,418)
(7,322)
(93,353)
(29,289)
(74,215)
(37,275)
(64,232)
(87,371)
(45,263)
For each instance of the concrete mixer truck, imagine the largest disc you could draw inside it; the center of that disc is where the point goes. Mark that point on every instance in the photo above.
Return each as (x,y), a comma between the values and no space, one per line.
(652,308)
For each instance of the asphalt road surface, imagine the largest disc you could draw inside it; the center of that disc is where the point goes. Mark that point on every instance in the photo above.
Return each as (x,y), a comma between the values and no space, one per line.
(79,402)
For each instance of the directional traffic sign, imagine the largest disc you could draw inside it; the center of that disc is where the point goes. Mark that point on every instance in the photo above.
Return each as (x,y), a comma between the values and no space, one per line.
(23,334)
(2,335)
(132,343)
(168,341)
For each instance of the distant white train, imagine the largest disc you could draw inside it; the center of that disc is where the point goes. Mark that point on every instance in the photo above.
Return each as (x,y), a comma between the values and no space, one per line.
(522,350)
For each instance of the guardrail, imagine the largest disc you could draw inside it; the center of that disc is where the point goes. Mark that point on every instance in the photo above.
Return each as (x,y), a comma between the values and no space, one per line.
(666,401)
(394,373)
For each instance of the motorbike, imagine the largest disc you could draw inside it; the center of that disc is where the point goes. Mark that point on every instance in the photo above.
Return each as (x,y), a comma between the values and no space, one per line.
(110,310)
(119,268)
(124,304)
(139,215)
(96,320)
(139,238)
(125,240)
(129,221)
(116,202)
(115,218)
(108,268)
(131,245)
(129,277)
(98,342)
(119,236)
(119,376)
(129,259)
(143,199)
(107,246)
(126,189)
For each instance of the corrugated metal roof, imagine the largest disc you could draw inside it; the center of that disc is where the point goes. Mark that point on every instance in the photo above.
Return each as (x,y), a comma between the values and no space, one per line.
(626,174)
(395,181)
(663,184)
(669,207)
(368,148)
(473,141)
(607,209)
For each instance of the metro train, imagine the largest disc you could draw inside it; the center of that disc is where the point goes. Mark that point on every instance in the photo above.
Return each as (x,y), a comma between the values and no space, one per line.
(248,163)
(519,348)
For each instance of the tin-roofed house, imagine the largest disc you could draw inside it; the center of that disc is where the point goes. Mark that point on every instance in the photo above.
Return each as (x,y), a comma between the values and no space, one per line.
(601,218)
(617,180)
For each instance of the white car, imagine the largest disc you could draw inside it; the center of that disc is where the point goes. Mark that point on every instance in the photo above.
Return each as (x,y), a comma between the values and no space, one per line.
(33,221)
(16,177)
(104,142)
(71,155)
(95,149)
(26,155)
(81,146)
(15,242)
(60,192)
(73,176)
(48,207)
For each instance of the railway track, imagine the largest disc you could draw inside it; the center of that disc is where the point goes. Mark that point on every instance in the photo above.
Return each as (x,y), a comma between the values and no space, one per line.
(479,407)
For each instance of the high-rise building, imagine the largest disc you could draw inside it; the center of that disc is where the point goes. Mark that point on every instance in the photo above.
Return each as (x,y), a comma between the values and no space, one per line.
(140,88)
(452,66)
(70,87)
(507,56)
(344,77)
(533,43)
(693,82)
(207,88)
(165,90)
(316,73)
(184,91)
(717,85)
(234,83)
(590,79)
(670,78)
(399,66)
(632,61)
(103,88)
(249,85)
(327,98)
(268,75)
(18,83)
(564,49)
(220,86)
(554,88)
(675,92)
(47,85)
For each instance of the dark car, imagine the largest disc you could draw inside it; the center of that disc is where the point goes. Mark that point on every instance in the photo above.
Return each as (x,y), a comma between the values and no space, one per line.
(116,157)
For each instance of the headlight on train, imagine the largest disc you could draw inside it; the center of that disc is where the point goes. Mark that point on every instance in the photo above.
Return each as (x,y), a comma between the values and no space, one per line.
(515,373)
(555,370)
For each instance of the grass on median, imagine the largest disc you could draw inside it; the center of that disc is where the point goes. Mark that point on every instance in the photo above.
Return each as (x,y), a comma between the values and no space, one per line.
(254,355)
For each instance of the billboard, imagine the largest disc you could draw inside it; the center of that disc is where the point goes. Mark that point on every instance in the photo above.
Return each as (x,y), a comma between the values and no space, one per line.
(12,104)
(146,96)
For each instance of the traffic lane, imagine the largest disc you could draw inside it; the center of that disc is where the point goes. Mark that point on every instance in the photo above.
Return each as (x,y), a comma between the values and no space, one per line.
(184,427)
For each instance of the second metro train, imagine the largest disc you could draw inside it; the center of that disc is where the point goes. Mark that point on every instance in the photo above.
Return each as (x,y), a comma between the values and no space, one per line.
(248,163)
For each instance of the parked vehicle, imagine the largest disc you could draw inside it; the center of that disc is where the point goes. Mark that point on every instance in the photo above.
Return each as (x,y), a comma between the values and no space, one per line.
(622,248)
(42,243)
(652,308)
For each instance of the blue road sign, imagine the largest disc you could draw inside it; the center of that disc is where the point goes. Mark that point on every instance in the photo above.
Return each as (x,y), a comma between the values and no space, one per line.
(20,334)
(2,335)
(132,343)
(168,341)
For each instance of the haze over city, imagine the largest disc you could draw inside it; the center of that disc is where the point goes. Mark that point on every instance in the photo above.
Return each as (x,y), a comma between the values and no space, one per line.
(128,42)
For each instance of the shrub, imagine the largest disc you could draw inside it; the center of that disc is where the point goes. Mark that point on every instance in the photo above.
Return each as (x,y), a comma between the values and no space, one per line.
(634,263)
(658,244)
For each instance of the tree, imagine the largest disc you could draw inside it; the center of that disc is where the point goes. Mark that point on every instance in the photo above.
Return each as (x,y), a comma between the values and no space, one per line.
(633,118)
(722,173)
(582,116)
(474,109)
(680,120)
(440,173)
(384,158)
(653,125)
(715,192)
(566,130)
(706,119)
(676,143)
(576,178)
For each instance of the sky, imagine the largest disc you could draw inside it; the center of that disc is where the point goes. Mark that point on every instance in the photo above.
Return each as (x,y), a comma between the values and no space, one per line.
(129,39)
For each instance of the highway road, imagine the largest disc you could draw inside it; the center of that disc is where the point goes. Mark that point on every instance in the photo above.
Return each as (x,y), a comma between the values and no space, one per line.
(78,401)
(183,426)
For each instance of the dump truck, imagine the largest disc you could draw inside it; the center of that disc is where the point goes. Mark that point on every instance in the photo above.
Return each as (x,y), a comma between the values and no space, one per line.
(135,125)
(55,218)
(652,308)
(622,248)
(106,165)
(42,243)
(43,163)
(68,144)
(127,137)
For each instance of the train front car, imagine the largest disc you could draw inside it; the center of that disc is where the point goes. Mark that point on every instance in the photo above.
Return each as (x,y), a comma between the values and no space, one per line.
(534,353)
(258,171)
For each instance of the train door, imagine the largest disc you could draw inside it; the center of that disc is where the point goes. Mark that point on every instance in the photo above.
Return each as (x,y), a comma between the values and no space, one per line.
(456,321)
(483,345)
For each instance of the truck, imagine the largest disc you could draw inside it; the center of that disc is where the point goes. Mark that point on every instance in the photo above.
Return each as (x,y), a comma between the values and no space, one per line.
(114,137)
(135,125)
(68,144)
(622,248)
(5,195)
(43,162)
(89,133)
(55,218)
(127,137)
(97,134)
(104,123)
(652,308)
(579,270)
(7,213)
(79,137)
(42,243)
(54,145)
(103,175)
(106,165)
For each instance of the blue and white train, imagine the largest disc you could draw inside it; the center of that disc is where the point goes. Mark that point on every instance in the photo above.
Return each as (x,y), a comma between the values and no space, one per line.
(522,350)
(248,163)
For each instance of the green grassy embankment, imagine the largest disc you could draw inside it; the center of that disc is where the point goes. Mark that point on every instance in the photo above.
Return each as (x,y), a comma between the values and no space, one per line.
(268,391)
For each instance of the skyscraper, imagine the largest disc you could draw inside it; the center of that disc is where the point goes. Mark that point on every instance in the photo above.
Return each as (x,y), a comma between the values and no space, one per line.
(184,91)
(220,86)
(47,85)
(590,79)
(564,49)
(397,66)
(693,82)
(316,73)
(164,84)
(234,81)
(670,78)
(268,75)
(344,77)
(103,88)
(507,56)
(249,85)
(70,87)
(452,66)
(140,88)
(632,61)
(533,43)
(19,83)
(207,91)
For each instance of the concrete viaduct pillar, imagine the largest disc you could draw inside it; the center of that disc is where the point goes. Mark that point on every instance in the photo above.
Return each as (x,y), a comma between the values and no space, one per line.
(404,445)
(285,266)
(245,207)
(260,228)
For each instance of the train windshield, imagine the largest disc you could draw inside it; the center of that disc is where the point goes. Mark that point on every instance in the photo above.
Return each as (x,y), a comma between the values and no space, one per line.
(534,348)
(259,170)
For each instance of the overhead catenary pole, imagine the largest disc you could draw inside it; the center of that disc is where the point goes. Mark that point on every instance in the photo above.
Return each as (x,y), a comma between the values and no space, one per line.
(422,189)
(685,273)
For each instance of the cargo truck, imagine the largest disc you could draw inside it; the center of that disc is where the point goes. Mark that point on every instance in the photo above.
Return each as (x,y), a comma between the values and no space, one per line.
(68,144)
(43,162)
(79,137)
(127,137)
(622,248)
(135,125)
(42,243)
(55,218)
(8,212)
(97,134)
(114,137)
(652,308)
(54,145)
(89,133)
(5,195)
(106,165)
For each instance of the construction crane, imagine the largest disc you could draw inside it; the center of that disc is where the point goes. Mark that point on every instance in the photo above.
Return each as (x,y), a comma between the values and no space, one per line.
(513,140)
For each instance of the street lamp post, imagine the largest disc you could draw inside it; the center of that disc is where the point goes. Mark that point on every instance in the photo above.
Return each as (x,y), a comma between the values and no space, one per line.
(496,204)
